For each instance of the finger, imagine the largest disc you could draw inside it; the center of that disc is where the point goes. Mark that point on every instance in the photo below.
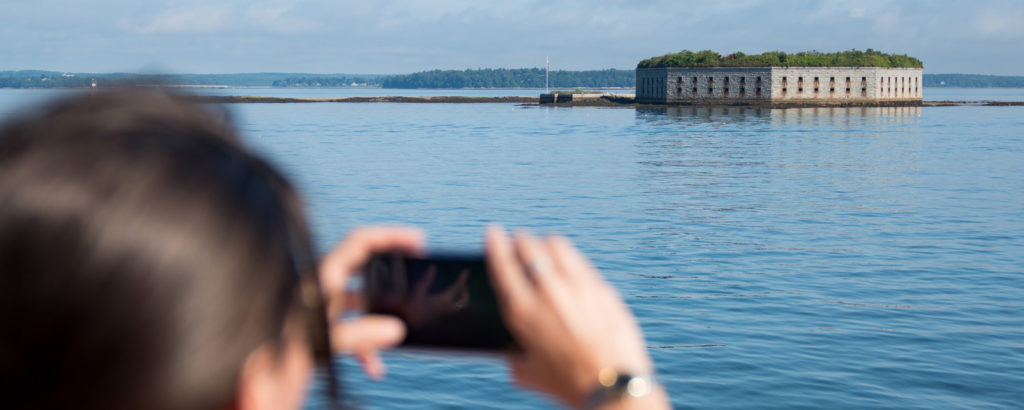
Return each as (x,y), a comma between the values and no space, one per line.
(370,332)
(459,286)
(575,267)
(514,291)
(371,363)
(533,256)
(543,272)
(352,252)
(420,292)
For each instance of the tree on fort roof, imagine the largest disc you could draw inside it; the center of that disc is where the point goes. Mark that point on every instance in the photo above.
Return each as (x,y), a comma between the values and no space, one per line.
(850,58)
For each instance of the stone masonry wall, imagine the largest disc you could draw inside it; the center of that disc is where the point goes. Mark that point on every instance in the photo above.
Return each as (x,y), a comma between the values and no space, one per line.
(795,84)
(703,85)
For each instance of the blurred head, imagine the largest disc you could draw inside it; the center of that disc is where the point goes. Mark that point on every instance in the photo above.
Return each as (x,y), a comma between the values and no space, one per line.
(147,260)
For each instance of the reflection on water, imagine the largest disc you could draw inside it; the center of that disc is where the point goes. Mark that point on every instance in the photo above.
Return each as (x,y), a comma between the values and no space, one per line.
(703,115)
(845,116)
(817,116)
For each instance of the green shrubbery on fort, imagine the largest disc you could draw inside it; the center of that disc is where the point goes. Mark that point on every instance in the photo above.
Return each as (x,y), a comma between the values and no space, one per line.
(851,58)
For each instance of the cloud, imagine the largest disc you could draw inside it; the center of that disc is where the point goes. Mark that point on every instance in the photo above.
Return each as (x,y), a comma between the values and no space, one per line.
(1001,23)
(391,36)
(196,19)
(278,18)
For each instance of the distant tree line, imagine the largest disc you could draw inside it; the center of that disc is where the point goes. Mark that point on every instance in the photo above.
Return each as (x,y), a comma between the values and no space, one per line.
(43,81)
(480,78)
(325,82)
(972,80)
(53,79)
(510,78)
(851,58)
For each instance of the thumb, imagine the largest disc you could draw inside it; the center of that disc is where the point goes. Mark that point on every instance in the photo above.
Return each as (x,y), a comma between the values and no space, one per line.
(365,336)
(367,332)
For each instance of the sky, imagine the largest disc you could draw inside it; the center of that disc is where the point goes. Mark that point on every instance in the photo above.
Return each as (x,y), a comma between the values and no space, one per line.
(403,36)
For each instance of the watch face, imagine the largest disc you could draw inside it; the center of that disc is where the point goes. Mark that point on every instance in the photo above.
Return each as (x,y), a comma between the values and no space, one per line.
(639,386)
(615,385)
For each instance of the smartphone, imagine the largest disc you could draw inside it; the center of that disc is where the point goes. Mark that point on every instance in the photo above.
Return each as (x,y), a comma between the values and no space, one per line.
(445,300)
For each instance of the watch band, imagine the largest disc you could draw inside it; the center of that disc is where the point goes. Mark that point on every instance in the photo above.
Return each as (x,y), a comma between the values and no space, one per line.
(613,385)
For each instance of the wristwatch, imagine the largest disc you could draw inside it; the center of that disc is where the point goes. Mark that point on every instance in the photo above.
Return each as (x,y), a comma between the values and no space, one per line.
(613,385)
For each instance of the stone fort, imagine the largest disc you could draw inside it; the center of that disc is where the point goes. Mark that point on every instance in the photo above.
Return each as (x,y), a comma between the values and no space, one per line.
(779,85)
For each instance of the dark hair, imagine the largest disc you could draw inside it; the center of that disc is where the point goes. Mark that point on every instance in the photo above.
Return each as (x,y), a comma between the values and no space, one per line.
(143,254)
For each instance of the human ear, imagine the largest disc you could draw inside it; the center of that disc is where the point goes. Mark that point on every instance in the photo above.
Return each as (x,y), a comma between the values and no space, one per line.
(274,378)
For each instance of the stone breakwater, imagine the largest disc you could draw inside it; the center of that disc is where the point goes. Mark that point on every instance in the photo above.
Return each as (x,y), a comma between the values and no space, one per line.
(608,100)
(232,99)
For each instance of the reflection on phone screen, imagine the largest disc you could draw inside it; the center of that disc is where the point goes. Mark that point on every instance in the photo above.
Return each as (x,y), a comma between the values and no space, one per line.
(445,301)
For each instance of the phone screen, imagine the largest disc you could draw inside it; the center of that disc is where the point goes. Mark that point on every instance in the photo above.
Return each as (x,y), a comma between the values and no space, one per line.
(446,301)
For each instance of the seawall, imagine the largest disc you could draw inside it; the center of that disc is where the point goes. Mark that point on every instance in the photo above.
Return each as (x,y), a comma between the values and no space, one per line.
(603,100)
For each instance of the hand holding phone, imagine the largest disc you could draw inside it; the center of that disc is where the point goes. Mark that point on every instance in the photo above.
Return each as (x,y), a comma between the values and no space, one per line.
(574,328)
(363,337)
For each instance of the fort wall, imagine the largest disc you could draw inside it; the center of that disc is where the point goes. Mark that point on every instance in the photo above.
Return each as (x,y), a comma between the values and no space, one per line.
(778,85)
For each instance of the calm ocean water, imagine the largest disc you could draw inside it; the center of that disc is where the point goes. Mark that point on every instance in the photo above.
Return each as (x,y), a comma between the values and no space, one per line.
(825,258)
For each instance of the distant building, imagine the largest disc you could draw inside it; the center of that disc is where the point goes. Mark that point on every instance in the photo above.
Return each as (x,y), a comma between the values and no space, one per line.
(779,85)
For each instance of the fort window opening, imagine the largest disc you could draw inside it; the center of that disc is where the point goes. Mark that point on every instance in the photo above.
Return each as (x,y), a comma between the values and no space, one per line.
(847,90)
(743,80)
(695,91)
(711,91)
(711,79)
(679,79)
(832,90)
(725,92)
(831,79)
(800,89)
(679,90)
(759,91)
(815,90)
(863,79)
(695,80)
